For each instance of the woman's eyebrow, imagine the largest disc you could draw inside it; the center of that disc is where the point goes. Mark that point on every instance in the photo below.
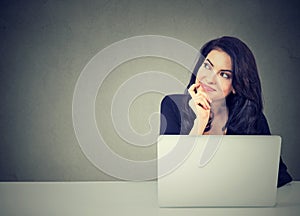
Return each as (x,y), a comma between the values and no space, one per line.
(227,71)
(220,70)
(210,62)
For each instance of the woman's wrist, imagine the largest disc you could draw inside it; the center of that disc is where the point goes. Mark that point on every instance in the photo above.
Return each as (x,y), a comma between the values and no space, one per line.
(198,127)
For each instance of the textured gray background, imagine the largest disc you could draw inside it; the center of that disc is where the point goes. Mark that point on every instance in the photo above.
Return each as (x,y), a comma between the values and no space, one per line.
(46,44)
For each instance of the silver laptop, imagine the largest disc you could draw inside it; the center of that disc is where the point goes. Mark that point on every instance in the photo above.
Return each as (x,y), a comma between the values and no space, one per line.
(217,171)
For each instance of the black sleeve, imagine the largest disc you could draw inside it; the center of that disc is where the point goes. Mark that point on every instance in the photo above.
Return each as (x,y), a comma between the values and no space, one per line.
(263,126)
(169,117)
(283,176)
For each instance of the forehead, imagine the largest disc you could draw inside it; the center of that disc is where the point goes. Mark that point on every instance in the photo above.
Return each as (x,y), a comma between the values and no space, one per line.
(220,60)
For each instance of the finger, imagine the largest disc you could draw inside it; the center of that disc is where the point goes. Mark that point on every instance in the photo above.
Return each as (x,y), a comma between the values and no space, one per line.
(192,89)
(199,97)
(194,86)
(201,91)
(203,95)
(201,101)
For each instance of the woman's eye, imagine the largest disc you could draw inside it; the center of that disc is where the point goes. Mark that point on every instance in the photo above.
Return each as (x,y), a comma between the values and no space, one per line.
(225,75)
(206,66)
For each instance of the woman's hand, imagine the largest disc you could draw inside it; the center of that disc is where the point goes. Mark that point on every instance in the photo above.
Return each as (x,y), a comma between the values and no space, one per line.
(200,104)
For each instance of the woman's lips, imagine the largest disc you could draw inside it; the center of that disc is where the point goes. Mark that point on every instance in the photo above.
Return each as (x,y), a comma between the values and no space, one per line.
(207,88)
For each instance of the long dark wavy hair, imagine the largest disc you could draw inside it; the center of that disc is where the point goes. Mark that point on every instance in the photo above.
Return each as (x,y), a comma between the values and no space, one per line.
(245,106)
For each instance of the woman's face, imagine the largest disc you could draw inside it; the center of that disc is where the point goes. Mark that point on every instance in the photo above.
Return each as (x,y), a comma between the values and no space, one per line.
(215,74)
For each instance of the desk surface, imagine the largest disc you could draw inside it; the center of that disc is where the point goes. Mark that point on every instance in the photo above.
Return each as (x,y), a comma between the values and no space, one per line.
(118,198)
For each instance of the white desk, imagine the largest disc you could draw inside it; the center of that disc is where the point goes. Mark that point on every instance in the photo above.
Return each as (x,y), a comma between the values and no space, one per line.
(117,198)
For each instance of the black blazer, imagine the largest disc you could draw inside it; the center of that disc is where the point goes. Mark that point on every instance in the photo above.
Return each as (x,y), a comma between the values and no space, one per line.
(170,123)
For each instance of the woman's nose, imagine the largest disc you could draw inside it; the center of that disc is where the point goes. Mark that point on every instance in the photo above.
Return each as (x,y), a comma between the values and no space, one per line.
(211,77)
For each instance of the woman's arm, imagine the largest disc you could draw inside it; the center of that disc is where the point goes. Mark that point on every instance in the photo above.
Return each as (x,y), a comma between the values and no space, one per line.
(200,104)
(283,176)
(170,122)
(199,122)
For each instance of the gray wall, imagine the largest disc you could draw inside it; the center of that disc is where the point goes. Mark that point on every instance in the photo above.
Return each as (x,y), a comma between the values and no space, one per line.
(46,44)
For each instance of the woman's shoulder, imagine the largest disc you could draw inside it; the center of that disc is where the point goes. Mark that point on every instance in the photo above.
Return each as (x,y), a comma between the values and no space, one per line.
(174,98)
(263,125)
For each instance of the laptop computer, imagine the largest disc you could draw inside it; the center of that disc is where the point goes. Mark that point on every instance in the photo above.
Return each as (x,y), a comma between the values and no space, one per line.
(217,171)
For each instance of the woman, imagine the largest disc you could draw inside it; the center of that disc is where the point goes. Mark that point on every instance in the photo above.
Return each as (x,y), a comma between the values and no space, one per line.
(222,97)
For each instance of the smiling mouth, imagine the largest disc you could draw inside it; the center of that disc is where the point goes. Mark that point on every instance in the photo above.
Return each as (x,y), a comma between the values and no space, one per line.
(207,88)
